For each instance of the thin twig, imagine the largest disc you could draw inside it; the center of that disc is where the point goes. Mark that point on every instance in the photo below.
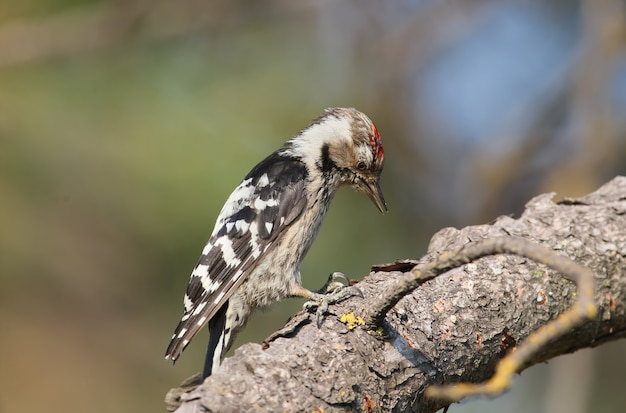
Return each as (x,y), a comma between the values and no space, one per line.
(582,309)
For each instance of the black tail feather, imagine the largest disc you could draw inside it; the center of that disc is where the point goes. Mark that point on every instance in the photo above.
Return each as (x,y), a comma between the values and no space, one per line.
(217,325)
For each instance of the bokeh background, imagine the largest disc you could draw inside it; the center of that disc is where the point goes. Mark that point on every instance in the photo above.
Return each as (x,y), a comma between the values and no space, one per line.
(124,125)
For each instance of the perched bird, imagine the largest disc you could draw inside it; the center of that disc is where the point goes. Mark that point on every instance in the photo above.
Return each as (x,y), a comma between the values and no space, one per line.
(268,224)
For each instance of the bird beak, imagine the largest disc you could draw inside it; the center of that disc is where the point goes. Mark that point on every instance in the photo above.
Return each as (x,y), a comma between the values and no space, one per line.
(373,191)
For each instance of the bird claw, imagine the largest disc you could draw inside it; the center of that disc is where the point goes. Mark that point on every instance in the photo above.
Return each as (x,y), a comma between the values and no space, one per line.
(331,292)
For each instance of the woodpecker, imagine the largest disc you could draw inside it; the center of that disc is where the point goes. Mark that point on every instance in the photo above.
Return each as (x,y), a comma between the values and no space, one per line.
(268,224)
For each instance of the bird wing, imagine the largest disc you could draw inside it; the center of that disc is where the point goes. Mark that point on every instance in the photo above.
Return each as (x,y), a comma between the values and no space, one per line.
(269,199)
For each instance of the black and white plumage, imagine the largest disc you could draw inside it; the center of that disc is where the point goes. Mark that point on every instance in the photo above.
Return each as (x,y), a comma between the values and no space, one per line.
(268,224)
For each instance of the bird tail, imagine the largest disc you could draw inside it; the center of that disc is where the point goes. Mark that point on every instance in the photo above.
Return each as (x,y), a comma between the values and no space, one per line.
(219,341)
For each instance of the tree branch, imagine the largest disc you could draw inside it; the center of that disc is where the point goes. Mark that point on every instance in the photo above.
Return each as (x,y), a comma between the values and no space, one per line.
(453,328)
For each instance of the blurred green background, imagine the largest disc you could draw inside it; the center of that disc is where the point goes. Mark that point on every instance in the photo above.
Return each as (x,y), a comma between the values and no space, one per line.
(124,125)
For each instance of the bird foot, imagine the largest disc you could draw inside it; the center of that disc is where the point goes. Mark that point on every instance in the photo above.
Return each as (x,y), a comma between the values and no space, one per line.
(331,292)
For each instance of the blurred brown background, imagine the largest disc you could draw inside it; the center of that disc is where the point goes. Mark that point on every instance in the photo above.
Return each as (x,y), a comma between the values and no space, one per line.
(124,125)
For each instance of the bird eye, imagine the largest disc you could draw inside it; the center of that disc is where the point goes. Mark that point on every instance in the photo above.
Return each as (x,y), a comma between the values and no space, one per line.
(361,166)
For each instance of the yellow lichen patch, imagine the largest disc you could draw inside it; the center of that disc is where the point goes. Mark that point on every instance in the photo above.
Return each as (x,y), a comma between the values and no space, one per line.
(351,321)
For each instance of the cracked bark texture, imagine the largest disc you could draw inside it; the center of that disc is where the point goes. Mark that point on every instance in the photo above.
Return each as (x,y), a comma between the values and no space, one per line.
(453,328)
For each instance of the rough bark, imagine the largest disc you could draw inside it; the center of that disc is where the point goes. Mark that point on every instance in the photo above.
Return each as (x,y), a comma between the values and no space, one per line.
(453,328)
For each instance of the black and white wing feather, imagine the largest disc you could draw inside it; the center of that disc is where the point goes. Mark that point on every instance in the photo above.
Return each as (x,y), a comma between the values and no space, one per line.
(269,199)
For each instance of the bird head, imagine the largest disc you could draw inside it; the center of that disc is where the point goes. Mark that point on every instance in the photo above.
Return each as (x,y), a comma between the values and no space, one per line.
(345,146)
